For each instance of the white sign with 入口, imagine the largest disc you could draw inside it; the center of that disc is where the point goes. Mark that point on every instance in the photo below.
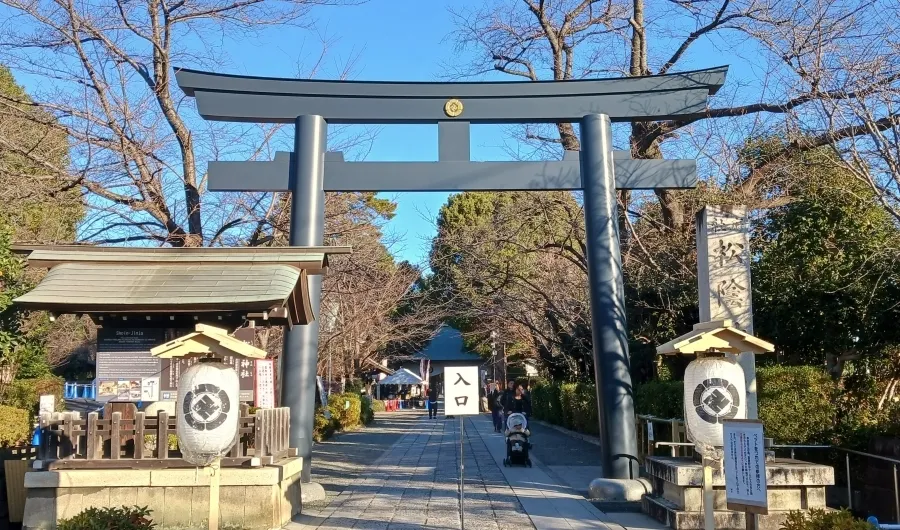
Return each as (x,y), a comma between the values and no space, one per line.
(461,390)
(745,465)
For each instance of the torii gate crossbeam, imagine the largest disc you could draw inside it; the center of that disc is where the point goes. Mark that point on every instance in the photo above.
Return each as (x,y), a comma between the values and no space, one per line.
(310,171)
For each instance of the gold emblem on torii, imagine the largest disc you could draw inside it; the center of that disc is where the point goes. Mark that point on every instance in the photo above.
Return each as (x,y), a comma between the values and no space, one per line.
(453,108)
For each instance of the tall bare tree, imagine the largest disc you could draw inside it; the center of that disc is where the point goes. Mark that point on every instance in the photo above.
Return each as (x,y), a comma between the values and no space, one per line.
(799,54)
(137,149)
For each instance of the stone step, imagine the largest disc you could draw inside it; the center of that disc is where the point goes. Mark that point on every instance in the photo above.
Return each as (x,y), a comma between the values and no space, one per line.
(668,514)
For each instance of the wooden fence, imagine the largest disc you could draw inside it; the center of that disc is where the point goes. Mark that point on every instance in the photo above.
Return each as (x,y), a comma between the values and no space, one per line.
(70,442)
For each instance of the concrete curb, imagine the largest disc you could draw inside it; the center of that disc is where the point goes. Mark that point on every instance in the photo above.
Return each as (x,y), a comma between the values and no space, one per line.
(578,435)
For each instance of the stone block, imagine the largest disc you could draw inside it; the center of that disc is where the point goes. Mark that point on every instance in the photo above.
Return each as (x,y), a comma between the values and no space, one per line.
(123,496)
(615,490)
(178,508)
(87,478)
(781,472)
(200,477)
(231,505)
(69,502)
(199,506)
(152,498)
(288,467)
(98,497)
(40,510)
(261,509)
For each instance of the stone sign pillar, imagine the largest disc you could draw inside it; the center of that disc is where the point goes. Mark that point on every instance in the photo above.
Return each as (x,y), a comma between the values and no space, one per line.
(723,275)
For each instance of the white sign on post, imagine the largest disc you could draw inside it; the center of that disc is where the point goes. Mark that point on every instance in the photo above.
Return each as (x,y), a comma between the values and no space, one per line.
(745,466)
(461,390)
(47,403)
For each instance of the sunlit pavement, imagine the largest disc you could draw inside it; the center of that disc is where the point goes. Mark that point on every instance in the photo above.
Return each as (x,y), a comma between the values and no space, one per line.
(402,472)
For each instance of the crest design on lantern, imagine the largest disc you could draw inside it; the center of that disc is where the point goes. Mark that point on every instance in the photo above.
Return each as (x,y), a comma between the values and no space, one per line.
(206,407)
(716,400)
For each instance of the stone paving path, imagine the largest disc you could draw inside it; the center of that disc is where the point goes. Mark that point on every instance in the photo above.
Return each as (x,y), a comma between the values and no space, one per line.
(413,484)
(402,473)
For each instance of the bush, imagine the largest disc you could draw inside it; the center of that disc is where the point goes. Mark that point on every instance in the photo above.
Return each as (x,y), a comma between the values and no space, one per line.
(26,393)
(545,403)
(348,417)
(377,405)
(824,520)
(323,428)
(366,414)
(133,518)
(15,426)
(787,393)
(663,399)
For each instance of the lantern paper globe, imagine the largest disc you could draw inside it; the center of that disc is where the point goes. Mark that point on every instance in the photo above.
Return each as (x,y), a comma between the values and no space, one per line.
(208,411)
(714,391)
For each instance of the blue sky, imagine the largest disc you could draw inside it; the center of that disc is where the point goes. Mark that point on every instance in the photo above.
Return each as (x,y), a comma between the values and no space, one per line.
(394,40)
(410,40)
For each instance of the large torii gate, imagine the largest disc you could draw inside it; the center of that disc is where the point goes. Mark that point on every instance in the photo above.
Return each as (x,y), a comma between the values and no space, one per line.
(310,171)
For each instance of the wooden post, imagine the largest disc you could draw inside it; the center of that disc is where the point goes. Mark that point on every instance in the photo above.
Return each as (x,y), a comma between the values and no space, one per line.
(752,522)
(162,435)
(115,436)
(139,435)
(214,478)
(93,437)
(708,498)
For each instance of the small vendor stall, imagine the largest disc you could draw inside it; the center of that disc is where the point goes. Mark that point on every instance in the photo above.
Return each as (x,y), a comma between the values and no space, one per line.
(400,378)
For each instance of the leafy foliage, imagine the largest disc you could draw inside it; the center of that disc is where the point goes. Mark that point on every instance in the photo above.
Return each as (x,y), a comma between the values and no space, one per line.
(663,399)
(818,519)
(25,393)
(132,518)
(571,405)
(787,393)
(15,426)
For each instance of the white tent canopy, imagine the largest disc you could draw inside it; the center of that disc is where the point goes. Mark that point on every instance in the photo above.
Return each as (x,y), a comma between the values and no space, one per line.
(402,377)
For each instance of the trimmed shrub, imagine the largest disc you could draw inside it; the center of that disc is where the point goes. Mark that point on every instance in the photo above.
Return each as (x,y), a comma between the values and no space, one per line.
(132,518)
(787,393)
(818,519)
(26,393)
(346,408)
(546,404)
(15,426)
(377,405)
(663,399)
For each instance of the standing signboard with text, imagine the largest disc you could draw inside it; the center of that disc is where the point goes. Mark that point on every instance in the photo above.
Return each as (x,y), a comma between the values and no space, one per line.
(745,468)
(461,390)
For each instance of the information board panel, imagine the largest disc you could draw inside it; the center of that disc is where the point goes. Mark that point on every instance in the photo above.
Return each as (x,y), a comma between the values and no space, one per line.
(745,466)
(460,390)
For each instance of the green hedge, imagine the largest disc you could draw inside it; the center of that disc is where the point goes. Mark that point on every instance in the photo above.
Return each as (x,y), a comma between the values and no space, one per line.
(818,519)
(571,405)
(366,414)
(797,404)
(377,405)
(347,409)
(663,399)
(15,426)
(785,393)
(324,428)
(26,393)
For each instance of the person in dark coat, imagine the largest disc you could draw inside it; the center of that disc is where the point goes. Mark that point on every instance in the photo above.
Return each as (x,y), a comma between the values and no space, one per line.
(496,407)
(432,402)
(508,399)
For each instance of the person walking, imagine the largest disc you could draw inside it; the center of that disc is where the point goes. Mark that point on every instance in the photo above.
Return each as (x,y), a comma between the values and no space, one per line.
(522,402)
(508,400)
(432,402)
(496,407)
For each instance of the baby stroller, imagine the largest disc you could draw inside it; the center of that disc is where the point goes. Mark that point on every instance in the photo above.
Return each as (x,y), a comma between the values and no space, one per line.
(517,444)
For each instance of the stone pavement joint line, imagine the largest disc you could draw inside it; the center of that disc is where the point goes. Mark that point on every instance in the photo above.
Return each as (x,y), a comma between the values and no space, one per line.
(402,473)
(415,484)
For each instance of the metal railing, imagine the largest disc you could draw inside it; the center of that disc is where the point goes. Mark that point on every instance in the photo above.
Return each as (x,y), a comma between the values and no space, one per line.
(656,433)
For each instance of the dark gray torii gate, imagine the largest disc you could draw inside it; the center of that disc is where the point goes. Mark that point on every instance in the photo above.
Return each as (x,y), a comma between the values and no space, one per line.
(310,171)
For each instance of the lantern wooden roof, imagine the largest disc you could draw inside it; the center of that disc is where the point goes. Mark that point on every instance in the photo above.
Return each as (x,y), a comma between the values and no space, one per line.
(717,336)
(268,284)
(207,340)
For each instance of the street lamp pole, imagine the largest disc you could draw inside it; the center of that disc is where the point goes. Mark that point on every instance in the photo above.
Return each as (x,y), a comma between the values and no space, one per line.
(494,353)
